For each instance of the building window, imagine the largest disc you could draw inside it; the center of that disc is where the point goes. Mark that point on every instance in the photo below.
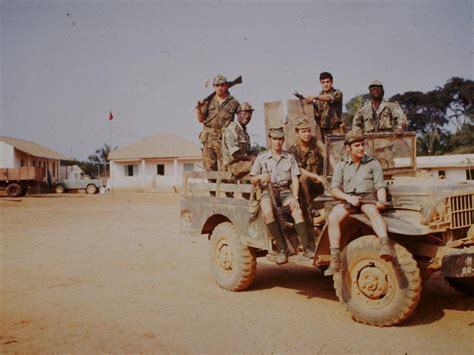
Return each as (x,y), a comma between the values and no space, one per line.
(188,167)
(442,174)
(54,168)
(22,162)
(160,169)
(469,174)
(34,163)
(131,170)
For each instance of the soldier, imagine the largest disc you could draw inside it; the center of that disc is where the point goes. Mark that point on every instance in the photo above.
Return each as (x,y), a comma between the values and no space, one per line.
(355,177)
(309,156)
(327,106)
(215,115)
(236,143)
(379,115)
(277,166)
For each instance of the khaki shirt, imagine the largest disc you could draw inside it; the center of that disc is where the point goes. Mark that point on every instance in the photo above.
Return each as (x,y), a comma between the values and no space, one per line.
(281,170)
(329,114)
(235,140)
(312,160)
(351,178)
(387,118)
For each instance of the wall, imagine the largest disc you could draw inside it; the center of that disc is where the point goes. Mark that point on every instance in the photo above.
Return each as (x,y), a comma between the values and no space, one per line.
(172,177)
(458,174)
(6,155)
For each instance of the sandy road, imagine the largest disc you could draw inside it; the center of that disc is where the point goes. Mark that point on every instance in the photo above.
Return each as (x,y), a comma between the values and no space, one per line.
(112,273)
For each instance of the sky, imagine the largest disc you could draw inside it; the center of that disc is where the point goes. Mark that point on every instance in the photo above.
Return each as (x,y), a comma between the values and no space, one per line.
(65,64)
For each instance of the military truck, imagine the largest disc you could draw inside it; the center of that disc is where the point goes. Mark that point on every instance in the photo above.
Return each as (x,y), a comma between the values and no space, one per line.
(16,181)
(429,225)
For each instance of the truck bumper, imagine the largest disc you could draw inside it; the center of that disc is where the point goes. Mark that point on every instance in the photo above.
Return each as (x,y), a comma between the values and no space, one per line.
(459,264)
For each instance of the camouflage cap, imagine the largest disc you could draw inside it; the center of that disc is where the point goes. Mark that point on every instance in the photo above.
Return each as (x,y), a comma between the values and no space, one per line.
(276,132)
(219,79)
(352,137)
(302,123)
(245,106)
(375,83)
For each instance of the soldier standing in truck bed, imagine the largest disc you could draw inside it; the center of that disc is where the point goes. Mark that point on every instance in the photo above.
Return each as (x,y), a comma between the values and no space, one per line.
(309,156)
(236,143)
(327,106)
(379,115)
(215,115)
(277,166)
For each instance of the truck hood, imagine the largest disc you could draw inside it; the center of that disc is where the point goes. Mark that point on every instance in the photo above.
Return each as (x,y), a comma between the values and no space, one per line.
(429,186)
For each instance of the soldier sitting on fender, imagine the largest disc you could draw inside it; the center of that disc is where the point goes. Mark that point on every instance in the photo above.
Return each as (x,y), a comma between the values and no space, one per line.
(236,143)
(356,177)
(308,153)
(277,166)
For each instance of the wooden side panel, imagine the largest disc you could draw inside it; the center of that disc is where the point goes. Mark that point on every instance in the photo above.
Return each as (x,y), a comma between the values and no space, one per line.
(296,109)
(19,174)
(274,116)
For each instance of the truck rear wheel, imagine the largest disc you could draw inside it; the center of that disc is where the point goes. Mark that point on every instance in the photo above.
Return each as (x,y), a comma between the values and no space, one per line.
(91,189)
(374,291)
(233,265)
(464,285)
(14,190)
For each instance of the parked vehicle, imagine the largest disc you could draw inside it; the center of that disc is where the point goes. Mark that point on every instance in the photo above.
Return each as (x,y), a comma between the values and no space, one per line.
(78,181)
(429,224)
(17,180)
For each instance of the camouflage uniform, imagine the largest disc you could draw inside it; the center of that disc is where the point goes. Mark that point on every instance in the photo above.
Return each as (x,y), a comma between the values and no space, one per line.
(328,115)
(312,161)
(236,142)
(217,117)
(387,118)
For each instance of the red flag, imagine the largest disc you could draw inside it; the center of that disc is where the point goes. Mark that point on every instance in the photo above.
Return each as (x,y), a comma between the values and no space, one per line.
(111,117)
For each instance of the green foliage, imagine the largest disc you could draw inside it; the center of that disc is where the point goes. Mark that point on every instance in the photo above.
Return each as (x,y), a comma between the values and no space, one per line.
(101,155)
(353,106)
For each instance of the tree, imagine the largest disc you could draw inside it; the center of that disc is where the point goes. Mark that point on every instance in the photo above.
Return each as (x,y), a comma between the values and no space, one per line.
(457,96)
(101,155)
(353,106)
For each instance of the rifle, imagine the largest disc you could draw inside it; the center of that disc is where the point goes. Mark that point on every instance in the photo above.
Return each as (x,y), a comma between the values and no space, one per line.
(299,96)
(363,201)
(236,81)
(278,211)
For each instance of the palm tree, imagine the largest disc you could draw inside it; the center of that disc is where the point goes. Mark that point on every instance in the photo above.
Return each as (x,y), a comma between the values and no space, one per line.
(101,156)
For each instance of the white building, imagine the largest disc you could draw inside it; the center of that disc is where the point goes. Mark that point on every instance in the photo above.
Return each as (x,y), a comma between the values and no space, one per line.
(453,167)
(16,153)
(154,163)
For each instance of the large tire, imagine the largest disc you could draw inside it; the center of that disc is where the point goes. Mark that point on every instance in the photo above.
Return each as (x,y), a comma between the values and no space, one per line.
(374,291)
(464,285)
(233,265)
(60,189)
(91,189)
(14,190)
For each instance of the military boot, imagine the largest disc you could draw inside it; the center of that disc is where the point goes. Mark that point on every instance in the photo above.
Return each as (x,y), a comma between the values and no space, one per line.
(336,265)
(282,257)
(385,251)
(308,253)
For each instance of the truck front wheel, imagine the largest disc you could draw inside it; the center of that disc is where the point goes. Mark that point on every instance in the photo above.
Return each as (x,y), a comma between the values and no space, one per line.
(60,189)
(374,291)
(233,265)
(14,190)
(91,189)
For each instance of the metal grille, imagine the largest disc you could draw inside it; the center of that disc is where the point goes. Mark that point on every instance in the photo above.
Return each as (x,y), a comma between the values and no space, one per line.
(462,211)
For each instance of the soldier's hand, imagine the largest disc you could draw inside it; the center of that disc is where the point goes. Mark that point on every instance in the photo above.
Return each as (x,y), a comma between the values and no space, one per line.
(309,99)
(398,130)
(200,104)
(294,204)
(353,200)
(265,178)
(380,206)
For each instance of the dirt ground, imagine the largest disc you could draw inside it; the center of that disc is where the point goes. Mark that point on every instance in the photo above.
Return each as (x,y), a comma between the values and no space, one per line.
(112,273)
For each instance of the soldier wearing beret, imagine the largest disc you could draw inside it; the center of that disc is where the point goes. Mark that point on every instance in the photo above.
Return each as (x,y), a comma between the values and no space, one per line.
(309,156)
(355,177)
(277,166)
(379,115)
(236,143)
(215,115)
(327,106)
